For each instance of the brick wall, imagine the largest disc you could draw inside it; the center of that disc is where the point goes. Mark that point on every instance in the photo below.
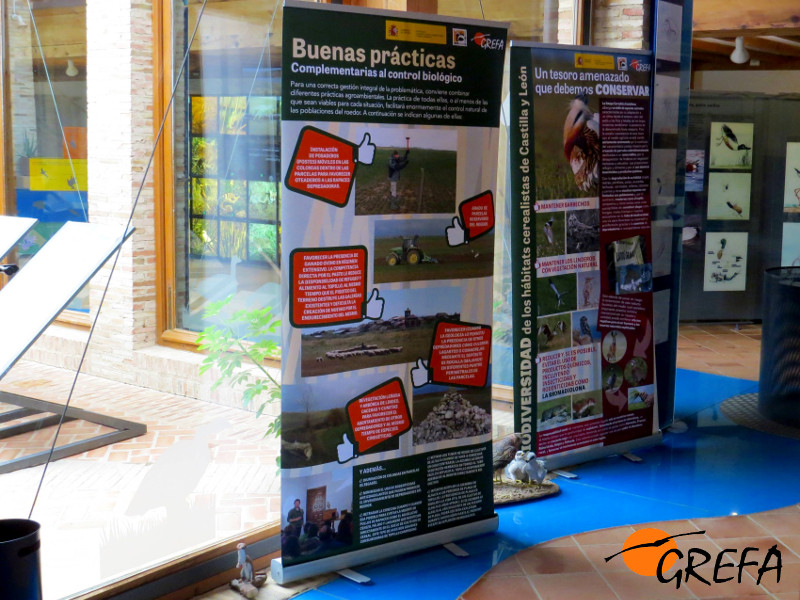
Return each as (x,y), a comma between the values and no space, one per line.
(621,23)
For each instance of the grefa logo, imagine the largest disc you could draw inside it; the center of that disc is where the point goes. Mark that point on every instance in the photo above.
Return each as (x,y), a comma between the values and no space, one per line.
(486,41)
(638,65)
(652,552)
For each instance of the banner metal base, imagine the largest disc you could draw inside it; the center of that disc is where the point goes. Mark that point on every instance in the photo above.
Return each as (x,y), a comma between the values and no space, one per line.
(340,562)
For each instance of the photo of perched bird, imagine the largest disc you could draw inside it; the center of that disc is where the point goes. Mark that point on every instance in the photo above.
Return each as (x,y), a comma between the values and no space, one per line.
(582,143)
(585,328)
(548,230)
(546,332)
(503,452)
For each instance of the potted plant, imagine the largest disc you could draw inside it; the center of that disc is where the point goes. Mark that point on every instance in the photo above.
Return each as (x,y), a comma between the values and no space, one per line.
(30,149)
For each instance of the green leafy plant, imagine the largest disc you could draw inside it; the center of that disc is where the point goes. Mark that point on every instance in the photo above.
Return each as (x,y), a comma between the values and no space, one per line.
(30,146)
(238,347)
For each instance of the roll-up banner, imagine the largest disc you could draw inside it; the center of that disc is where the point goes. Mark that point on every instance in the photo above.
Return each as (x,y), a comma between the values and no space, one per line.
(581,251)
(389,151)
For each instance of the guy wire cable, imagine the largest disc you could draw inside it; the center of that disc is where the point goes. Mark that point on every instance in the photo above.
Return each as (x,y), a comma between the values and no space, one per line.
(119,250)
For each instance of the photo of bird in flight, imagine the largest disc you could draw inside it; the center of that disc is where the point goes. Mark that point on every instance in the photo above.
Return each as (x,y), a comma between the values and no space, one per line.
(559,295)
(738,141)
(582,143)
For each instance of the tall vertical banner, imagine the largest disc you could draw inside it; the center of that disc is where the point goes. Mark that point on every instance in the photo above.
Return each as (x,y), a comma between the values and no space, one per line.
(389,151)
(581,251)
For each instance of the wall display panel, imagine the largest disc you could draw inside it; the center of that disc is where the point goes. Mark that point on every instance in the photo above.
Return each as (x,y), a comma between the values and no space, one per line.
(389,157)
(581,241)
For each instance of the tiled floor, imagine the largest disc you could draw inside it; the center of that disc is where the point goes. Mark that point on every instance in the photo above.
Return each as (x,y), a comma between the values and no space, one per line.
(574,567)
(211,472)
(731,350)
(715,469)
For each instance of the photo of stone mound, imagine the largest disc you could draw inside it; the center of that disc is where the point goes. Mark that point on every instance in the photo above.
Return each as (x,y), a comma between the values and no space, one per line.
(452,418)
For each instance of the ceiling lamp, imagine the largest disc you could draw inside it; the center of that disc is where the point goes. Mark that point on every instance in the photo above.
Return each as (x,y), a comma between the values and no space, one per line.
(740,55)
(72,70)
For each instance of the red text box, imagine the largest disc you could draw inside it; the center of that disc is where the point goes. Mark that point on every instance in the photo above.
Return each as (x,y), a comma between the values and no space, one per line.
(323,166)
(378,415)
(327,285)
(477,215)
(460,354)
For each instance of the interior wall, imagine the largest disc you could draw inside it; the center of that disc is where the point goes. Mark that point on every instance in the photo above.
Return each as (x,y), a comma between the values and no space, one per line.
(767,82)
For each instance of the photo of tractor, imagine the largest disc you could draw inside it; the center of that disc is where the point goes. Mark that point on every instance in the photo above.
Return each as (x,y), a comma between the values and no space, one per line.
(410,253)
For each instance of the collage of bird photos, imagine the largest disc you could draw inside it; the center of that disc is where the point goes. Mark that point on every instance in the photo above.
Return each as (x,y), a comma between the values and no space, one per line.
(387,271)
(730,163)
(591,241)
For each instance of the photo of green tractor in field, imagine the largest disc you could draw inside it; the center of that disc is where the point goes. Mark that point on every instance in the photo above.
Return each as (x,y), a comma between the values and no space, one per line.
(409,253)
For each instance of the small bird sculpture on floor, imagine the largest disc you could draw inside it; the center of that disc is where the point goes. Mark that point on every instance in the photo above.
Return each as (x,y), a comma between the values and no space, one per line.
(515,471)
(535,469)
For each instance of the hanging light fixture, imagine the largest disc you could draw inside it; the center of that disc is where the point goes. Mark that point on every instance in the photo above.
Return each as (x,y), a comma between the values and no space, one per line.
(740,55)
(72,70)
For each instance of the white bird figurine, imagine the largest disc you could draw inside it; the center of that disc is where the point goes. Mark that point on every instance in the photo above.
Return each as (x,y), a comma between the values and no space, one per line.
(535,471)
(582,143)
(515,471)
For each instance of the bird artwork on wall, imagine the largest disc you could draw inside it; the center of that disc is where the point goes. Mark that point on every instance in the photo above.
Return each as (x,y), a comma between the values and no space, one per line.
(582,143)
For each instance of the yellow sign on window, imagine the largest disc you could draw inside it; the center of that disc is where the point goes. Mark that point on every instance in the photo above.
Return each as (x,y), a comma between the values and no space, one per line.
(56,175)
(402,31)
(594,61)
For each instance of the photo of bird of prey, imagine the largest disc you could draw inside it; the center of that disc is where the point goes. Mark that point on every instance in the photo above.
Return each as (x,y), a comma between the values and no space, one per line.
(503,452)
(582,143)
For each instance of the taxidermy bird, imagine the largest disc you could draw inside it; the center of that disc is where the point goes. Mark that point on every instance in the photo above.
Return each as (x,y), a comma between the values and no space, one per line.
(582,143)
(555,290)
(535,471)
(548,230)
(503,452)
(515,471)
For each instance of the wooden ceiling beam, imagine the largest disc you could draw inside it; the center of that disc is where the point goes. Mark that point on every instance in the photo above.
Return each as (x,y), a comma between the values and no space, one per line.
(729,18)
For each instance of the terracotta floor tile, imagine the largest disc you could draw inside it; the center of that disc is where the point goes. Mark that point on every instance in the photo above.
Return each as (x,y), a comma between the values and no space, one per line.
(779,523)
(729,527)
(559,542)
(727,589)
(762,543)
(490,588)
(572,586)
(790,579)
(792,542)
(538,560)
(630,586)
(670,527)
(615,535)
(507,568)
(597,553)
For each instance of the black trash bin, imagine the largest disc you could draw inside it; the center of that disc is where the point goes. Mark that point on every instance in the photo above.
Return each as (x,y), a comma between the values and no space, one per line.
(20,574)
(779,380)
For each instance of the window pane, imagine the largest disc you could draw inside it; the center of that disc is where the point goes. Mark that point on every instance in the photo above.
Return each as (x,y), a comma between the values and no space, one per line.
(227,149)
(47,119)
